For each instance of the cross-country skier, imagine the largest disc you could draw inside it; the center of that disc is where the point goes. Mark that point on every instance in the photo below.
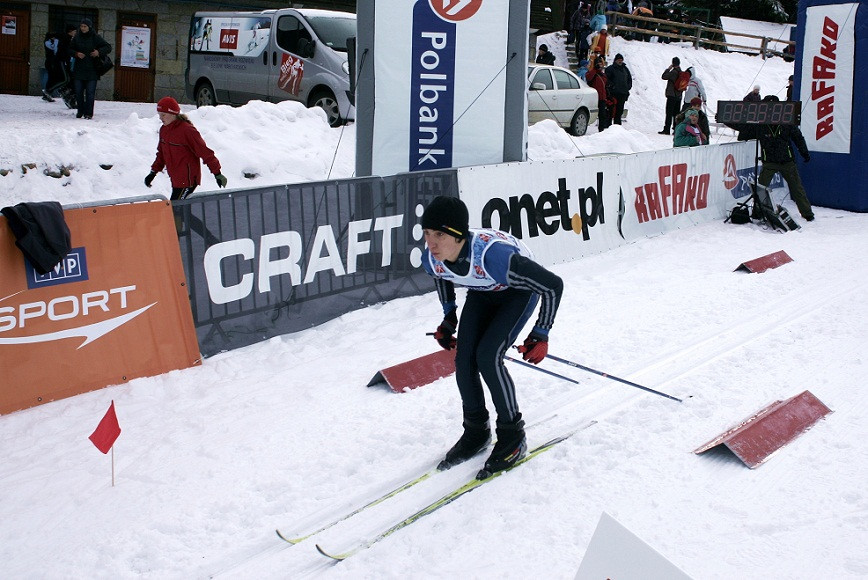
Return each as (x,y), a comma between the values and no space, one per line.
(504,286)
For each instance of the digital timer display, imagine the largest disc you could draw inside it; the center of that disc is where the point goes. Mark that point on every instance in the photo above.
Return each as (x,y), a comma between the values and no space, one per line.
(759,113)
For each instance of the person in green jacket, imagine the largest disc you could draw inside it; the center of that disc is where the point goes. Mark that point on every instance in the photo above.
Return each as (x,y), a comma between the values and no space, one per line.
(688,133)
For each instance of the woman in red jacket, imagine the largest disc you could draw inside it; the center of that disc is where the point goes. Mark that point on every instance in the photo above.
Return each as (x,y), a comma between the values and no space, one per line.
(179,150)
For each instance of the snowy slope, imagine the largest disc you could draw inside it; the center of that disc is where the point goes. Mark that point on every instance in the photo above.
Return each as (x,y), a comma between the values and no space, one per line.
(284,434)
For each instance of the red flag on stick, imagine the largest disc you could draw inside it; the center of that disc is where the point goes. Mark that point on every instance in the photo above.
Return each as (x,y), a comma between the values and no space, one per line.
(107,431)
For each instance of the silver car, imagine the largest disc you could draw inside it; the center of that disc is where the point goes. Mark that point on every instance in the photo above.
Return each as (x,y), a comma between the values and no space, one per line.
(558,94)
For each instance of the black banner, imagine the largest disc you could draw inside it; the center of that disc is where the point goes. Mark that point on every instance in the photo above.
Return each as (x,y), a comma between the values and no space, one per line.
(268,261)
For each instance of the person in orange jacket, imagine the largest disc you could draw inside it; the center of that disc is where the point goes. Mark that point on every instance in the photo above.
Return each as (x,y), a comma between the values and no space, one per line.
(179,150)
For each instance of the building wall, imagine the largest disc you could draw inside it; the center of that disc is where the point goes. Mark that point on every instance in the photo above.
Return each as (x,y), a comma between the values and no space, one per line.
(173,23)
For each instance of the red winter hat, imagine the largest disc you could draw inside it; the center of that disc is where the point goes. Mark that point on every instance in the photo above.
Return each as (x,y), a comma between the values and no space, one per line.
(696,101)
(168,105)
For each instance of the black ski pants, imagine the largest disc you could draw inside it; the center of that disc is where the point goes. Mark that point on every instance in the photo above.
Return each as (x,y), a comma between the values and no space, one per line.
(489,325)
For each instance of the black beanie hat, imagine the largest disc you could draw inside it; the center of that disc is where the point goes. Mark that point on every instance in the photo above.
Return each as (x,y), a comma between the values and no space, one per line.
(447,214)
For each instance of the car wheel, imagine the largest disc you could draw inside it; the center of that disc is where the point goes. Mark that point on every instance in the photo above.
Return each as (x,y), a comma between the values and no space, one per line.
(326,100)
(579,124)
(205,96)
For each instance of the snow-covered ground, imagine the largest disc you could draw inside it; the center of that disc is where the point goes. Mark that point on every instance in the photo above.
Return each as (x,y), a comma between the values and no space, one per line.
(285,434)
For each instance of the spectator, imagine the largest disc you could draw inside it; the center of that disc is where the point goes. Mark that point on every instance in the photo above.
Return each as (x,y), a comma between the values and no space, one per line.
(504,285)
(673,95)
(747,131)
(688,133)
(572,14)
(583,70)
(790,88)
(620,84)
(612,6)
(598,22)
(778,157)
(753,95)
(49,74)
(583,39)
(543,55)
(642,9)
(694,88)
(600,43)
(84,47)
(178,151)
(695,104)
(596,78)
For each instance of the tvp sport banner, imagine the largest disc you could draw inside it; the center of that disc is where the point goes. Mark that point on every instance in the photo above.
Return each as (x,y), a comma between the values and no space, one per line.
(114,309)
(441,83)
(829,76)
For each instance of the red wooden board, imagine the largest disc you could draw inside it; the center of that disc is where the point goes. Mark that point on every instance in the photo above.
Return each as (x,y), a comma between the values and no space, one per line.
(764,263)
(417,372)
(757,437)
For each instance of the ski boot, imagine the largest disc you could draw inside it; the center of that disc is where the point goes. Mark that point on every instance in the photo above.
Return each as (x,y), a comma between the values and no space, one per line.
(510,448)
(476,436)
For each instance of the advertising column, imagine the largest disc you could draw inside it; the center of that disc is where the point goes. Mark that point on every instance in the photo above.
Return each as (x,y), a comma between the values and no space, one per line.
(442,84)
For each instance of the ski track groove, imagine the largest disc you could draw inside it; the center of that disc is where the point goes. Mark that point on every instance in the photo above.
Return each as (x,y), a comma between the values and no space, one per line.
(598,404)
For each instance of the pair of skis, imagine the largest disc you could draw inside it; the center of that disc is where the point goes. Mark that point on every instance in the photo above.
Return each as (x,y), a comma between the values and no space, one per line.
(444,500)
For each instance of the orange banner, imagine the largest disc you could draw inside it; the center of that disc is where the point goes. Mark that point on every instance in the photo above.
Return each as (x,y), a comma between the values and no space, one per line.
(116,308)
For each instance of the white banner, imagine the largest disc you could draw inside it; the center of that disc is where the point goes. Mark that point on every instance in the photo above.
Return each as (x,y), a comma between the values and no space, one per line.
(439,104)
(566,209)
(827,77)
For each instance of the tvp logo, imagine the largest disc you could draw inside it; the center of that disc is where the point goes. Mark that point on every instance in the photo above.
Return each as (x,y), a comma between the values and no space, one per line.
(73,268)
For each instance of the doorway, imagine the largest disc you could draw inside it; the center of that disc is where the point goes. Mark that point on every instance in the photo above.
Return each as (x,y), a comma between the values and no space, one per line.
(135,62)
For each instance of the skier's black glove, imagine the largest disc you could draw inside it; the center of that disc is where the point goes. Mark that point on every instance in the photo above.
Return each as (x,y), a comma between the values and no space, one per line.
(445,335)
(150,178)
(221,179)
(535,348)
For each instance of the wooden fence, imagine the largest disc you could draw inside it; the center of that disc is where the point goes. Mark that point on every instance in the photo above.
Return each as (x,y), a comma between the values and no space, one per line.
(697,34)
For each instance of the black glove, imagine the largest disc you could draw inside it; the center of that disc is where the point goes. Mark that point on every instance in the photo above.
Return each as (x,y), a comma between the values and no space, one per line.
(535,348)
(150,178)
(221,179)
(807,157)
(445,334)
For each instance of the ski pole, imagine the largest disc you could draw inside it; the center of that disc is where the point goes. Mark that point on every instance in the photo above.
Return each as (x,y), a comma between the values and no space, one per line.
(521,362)
(608,376)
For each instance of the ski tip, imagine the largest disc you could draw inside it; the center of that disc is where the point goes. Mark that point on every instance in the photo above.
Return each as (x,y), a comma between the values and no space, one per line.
(335,557)
(292,541)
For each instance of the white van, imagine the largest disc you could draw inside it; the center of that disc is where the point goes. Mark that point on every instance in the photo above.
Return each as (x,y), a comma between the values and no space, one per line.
(273,55)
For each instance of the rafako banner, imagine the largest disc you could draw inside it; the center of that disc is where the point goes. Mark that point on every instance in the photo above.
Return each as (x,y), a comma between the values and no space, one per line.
(268,261)
(114,309)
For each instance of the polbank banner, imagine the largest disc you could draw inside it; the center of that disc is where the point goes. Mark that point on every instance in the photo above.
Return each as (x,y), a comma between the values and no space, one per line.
(269,261)
(114,309)
(442,83)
